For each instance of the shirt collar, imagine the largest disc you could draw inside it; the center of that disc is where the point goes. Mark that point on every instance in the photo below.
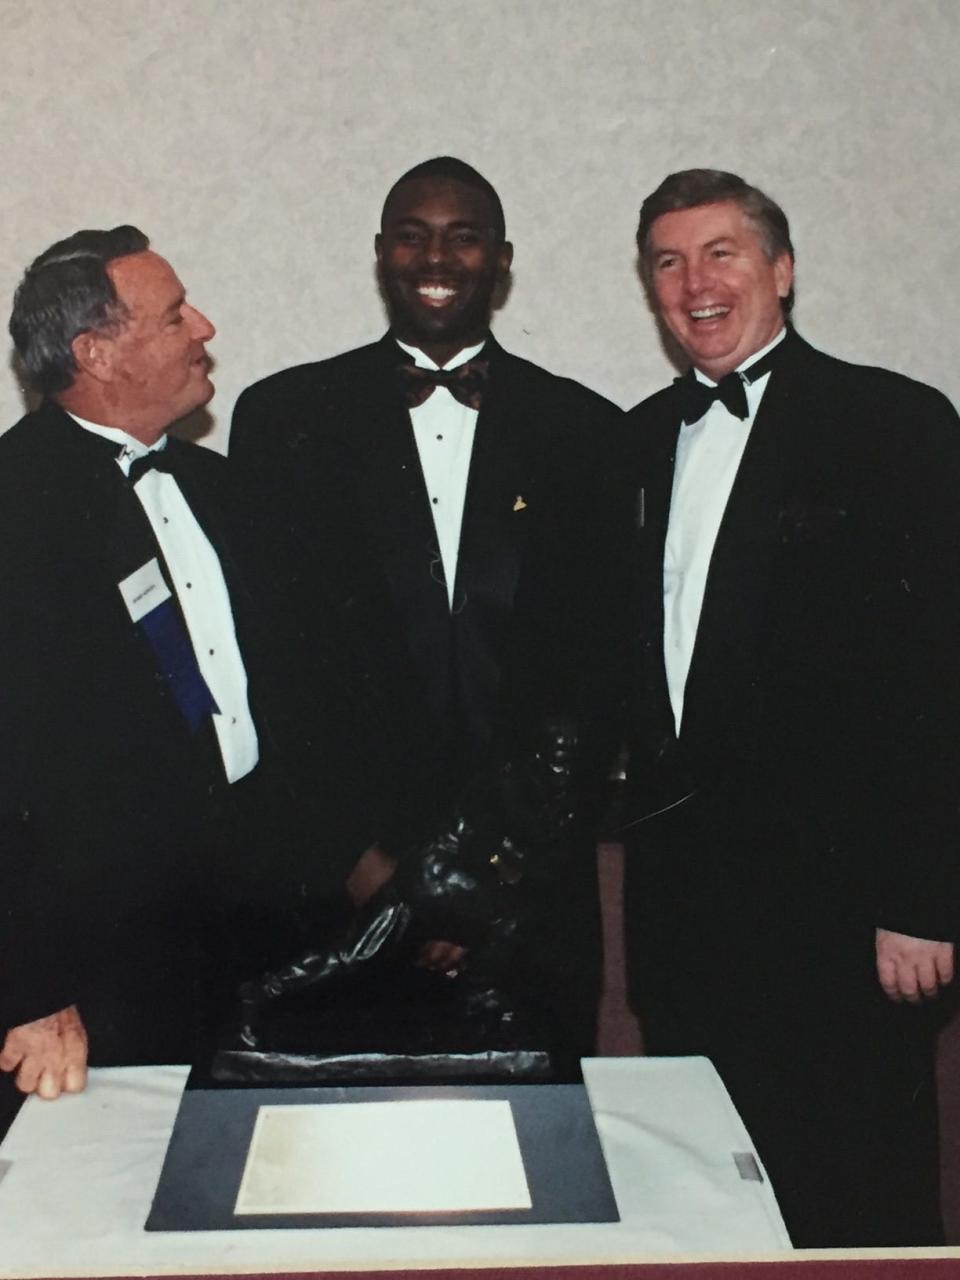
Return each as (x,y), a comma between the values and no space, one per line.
(744,367)
(130,447)
(423,361)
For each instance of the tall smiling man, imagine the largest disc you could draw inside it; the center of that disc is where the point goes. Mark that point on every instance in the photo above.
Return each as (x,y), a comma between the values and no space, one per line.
(131,757)
(792,864)
(449,503)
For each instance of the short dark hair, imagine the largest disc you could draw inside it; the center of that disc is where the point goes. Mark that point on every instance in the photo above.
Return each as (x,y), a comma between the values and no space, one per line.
(454,170)
(65,292)
(690,188)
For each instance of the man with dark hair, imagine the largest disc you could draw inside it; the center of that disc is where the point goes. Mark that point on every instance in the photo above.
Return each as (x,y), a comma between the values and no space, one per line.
(131,756)
(450,169)
(452,504)
(792,868)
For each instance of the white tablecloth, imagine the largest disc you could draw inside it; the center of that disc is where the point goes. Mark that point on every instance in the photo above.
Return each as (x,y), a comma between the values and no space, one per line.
(77,1178)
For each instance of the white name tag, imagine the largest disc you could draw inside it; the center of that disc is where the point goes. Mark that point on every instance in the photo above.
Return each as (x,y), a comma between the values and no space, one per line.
(144,589)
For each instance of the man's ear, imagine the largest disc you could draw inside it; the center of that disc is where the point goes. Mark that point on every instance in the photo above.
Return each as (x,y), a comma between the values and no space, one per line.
(378,247)
(93,355)
(783,274)
(504,259)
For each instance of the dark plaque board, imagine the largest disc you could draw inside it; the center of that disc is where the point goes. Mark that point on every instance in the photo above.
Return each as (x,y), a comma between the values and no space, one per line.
(564,1165)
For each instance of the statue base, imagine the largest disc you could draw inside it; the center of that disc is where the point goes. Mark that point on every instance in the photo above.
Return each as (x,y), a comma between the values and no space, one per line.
(425,1029)
(266,1067)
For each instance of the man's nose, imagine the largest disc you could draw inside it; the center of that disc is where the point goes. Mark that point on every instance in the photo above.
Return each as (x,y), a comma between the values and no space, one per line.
(202,329)
(698,275)
(438,250)
(695,277)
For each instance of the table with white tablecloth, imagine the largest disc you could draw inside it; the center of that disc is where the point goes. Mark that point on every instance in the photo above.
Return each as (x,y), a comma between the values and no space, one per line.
(77,1178)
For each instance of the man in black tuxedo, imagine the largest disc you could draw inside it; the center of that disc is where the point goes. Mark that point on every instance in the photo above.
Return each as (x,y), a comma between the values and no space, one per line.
(137,769)
(792,868)
(453,505)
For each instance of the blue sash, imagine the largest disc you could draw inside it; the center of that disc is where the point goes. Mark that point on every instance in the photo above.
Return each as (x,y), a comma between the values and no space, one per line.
(177,663)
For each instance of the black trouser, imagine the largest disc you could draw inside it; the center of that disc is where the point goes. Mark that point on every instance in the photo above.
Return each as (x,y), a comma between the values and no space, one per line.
(834,1082)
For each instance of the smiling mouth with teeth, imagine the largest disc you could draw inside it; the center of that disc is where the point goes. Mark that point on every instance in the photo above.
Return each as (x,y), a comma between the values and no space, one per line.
(436,293)
(709,313)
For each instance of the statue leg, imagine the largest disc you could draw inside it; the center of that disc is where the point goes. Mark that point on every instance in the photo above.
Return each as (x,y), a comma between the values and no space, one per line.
(374,938)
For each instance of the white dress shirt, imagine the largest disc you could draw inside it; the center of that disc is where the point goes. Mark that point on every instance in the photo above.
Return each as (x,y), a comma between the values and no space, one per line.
(443,429)
(707,460)
(202,594)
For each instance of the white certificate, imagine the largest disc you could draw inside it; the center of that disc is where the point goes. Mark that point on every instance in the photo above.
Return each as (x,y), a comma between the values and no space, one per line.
(407,1156)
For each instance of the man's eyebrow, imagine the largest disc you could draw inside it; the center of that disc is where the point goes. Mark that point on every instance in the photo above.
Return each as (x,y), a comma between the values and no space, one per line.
(710,244)
(460,224)
(174,306)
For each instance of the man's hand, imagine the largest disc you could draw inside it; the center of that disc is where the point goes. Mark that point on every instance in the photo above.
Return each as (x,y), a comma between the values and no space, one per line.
(371,870)
(441,957)
(911,968)
(49,1055)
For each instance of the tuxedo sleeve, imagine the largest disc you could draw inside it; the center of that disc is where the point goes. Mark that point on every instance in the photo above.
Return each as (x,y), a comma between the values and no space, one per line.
(41,952)
(295,563)
(916,651)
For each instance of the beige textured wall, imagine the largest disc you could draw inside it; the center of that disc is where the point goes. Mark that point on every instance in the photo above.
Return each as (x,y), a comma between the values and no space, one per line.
(254,141)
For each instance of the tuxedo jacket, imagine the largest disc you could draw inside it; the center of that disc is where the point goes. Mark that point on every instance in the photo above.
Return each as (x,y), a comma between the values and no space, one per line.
(106,798)
(813,783)
(437,692)
(329,449)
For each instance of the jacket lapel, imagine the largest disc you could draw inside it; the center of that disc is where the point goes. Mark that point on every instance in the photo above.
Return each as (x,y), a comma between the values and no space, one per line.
(498,508)
(725,657)
(654,450)
(488,563)
(397,511)
(109,535)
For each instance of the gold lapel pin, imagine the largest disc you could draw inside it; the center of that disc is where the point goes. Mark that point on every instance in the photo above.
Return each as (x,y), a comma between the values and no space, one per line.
(519,505)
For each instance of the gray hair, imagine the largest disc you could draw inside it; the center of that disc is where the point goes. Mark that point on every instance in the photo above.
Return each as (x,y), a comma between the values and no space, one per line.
(690,188)
(66,291)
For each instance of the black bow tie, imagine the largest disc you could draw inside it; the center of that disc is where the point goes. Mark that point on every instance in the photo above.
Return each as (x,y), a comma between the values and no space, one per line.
(466,383)
(155,460)
(696,397)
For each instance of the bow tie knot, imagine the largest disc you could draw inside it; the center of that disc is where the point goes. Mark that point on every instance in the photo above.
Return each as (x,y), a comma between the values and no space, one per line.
(466,383)
(155,460)
(696,397)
